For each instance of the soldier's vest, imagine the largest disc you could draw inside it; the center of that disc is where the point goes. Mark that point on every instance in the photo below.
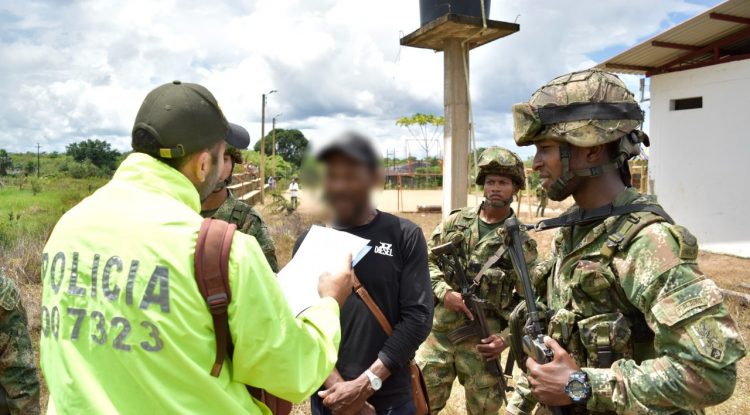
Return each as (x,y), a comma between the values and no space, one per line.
(591,315)
(498,282)
(240,214)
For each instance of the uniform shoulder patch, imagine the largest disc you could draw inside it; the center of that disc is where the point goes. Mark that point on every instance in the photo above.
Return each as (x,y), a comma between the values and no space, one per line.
(708,338)
(10,295)
(688,243)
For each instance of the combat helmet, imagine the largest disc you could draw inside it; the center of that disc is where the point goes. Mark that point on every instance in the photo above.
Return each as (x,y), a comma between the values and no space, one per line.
(582,109)
(498,160)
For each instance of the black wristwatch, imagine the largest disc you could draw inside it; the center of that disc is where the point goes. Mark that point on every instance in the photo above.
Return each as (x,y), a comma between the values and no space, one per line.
(578,387)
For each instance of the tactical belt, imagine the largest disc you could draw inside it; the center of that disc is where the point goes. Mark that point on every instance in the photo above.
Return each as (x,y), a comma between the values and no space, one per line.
(582,216)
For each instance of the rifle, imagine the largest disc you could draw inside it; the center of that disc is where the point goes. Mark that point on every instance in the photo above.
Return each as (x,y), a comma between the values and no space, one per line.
(533,342)
(449,254)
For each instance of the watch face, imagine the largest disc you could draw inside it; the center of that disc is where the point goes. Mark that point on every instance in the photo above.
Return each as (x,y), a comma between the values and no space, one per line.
(577,389)
(376,383)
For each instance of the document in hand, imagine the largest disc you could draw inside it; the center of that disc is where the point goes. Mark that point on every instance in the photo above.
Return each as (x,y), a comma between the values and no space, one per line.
(323,250)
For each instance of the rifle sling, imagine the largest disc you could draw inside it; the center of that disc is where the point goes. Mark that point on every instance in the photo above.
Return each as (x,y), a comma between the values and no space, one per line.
(490,262)
(581,216)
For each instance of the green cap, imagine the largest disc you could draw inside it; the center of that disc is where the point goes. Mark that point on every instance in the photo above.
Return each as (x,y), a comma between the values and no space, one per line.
(185,118)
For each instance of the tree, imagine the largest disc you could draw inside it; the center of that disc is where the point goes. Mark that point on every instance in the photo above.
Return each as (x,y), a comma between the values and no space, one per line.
(98,152)
(290,145)
(29,167)
(6,163)
(423,127)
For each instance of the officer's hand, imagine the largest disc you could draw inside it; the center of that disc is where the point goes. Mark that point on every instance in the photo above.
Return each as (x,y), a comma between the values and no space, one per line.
(491,347)
(454,302)
(347,397)
(548,381)
(338,286)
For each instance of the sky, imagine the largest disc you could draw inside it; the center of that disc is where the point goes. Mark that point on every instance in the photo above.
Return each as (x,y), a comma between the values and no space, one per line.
(74,70)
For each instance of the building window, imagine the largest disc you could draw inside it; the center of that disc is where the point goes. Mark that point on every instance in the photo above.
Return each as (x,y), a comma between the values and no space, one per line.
(685,104)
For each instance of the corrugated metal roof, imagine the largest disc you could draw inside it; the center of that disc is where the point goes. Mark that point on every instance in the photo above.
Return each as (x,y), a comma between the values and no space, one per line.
(698,32)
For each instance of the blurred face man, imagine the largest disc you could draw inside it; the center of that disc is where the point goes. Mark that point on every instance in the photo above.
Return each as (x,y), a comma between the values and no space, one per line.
(498,190)
(347,187)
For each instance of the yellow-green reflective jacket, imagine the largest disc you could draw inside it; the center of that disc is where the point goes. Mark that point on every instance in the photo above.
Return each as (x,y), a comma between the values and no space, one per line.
(125,329)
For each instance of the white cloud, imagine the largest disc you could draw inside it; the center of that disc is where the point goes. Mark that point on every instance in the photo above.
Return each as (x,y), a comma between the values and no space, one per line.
(73,70)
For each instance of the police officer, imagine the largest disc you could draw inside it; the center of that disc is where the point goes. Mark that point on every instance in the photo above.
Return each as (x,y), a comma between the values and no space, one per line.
(635,326)
(125,328)
(501,173)
(19,383)
(221,204)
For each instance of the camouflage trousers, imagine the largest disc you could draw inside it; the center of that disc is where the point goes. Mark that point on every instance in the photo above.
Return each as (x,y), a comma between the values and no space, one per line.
(442,361)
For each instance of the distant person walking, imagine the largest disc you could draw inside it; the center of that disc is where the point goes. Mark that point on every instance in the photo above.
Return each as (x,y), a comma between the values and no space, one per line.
(271,182)
(293,192)
(541,196)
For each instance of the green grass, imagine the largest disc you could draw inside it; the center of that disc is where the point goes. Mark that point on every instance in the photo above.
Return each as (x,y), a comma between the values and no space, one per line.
(30,206)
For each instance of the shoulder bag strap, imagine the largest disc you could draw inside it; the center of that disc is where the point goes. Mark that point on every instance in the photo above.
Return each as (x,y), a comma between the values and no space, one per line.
(211,274)
(370,303)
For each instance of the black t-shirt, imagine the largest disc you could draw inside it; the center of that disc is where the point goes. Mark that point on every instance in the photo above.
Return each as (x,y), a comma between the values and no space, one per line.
(396,275)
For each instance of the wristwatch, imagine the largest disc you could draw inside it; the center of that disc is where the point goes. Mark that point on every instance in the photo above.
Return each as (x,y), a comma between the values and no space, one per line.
(578,387)
(375,382)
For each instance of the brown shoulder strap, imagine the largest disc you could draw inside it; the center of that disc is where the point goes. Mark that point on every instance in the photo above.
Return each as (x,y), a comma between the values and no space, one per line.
(370,303)
(211,274)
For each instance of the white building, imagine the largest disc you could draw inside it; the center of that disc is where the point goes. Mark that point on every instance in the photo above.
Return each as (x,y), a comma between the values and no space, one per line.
(700,122)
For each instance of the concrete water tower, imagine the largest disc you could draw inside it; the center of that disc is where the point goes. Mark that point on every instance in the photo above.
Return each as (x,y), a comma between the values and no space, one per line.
(454,27)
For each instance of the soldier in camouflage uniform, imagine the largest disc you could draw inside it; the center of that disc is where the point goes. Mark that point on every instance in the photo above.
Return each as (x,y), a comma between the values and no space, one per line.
(502,175)
(634,325)
(19,393)
(222,204)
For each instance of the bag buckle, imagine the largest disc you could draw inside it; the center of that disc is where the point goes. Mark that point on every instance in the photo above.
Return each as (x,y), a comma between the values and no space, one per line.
(218,303)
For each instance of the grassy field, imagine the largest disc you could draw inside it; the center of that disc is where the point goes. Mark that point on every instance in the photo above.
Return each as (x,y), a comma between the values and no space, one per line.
(29,208)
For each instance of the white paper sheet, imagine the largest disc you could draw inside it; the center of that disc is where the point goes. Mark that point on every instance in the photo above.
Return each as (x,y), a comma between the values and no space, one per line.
(323,250)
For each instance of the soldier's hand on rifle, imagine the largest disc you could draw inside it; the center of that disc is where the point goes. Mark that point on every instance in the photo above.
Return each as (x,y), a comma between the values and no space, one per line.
(491,347)
(548,381)
(454,302)
(338,286)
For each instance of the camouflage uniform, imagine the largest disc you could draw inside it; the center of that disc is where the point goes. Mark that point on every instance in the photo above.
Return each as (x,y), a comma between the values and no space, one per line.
(441,360)
(18,376)
(248,221)
(628,301)
(541,195)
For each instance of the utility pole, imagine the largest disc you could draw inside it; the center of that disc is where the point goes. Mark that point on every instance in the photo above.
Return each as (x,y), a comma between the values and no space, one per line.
(273,145)
(38,146)
(263,146)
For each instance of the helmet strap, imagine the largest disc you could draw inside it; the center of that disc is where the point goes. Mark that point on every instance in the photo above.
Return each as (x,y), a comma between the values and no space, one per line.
(498,203)
(558,192)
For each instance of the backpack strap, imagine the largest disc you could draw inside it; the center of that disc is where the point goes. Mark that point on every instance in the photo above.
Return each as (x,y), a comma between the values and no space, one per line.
(619,240)
(211,274)
(627,230)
